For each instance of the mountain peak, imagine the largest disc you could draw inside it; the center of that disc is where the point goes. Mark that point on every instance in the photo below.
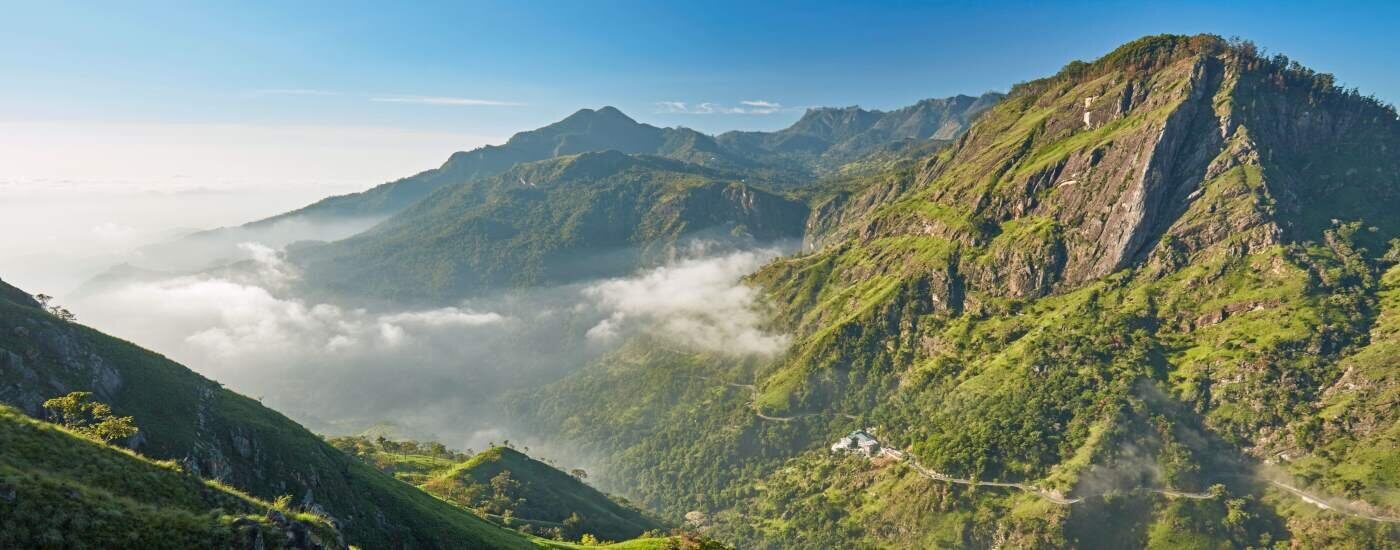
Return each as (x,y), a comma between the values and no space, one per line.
(611,111)
(606,113)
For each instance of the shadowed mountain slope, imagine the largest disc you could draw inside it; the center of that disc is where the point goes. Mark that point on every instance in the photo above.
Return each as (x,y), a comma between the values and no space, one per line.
(217,434)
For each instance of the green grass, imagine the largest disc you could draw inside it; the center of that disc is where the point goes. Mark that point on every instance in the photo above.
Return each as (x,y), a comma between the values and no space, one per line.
(62,490)
(181,414)
(543,497)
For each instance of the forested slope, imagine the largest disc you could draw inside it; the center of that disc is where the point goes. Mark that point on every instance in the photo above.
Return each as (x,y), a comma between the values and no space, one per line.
(1166,269)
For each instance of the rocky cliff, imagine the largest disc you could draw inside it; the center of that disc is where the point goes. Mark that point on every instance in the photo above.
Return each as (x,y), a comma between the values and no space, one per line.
(1141,277)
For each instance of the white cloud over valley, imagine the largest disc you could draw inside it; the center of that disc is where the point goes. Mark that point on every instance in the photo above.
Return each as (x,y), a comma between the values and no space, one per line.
(698,302)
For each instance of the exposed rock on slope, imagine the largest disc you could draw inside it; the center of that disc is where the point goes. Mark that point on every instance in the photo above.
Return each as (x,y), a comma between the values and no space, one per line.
(1150,271)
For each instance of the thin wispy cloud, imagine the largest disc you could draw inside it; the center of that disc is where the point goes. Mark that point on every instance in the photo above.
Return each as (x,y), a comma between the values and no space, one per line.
(293,92)
(761,104)
(441,100)
(745,107)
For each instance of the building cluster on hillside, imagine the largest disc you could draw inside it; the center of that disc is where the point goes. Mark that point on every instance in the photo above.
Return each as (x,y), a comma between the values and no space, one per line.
(858,442)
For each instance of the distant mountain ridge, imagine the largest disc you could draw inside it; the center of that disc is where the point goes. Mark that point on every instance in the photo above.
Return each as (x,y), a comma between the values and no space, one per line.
(557,221)
(793,157)
(850,130)
(830,136)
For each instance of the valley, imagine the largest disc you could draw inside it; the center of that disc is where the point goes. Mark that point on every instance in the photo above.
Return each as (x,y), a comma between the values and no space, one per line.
(1150,300)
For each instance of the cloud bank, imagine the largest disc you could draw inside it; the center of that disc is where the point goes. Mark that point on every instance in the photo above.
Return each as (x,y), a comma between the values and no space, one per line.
(436,372)
(697,302)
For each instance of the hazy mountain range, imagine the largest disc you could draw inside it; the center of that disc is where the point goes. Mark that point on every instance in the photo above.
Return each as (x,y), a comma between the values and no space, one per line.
(1149,301)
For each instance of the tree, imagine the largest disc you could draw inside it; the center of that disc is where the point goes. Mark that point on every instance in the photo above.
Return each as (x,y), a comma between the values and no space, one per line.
(503,492)
(79,412)
(573,525)
(579,473)
(46,302)
(63,314)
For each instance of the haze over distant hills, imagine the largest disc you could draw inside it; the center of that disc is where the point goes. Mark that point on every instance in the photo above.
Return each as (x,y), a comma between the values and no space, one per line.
(1152,300)
(815,145)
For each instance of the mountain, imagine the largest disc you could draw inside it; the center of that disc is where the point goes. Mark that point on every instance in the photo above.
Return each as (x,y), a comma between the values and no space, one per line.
(825,138)
(543,495)
(210,432)
(585,131)
(342,216)
(1145,302)
(506,485)
(787,158)
(551,222)
(607,129)
(58,489)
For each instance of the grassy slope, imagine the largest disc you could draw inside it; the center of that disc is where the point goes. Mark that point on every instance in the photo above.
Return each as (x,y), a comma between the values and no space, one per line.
(1216,351)
(182,414)
(548,496)
(58,489)
(119,492)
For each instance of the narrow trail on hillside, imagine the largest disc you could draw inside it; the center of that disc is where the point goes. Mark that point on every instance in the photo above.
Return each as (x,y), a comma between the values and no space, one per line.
(1320,502)
(1052,496)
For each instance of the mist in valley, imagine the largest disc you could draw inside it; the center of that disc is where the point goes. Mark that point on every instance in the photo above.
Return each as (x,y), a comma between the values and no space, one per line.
(350,366)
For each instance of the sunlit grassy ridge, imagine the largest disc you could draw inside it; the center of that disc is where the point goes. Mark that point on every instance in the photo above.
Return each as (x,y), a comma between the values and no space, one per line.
(184,416)
(1110,283)
(58,489)
(506,486)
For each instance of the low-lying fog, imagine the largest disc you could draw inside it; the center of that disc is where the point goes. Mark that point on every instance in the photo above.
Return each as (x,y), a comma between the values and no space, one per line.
(61,232)
(429,373)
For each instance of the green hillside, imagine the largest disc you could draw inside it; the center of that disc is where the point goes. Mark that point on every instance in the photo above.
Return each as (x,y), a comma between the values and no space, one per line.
(60,490)
(505,483)
(558,221)
(217,434)
(1129,287)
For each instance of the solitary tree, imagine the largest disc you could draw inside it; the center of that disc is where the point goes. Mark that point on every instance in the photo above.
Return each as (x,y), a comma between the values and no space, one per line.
(579,473)
(79,412)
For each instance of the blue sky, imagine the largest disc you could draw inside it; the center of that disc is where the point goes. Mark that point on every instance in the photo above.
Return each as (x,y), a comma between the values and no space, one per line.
(449,73)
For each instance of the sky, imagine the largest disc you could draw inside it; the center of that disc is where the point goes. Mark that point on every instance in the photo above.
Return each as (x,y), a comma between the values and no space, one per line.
(127,123)
(264,106)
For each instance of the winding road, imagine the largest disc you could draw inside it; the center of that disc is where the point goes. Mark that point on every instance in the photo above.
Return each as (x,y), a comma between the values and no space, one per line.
(1052,496)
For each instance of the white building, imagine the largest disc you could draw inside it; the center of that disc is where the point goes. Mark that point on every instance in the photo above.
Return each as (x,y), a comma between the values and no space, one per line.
(858,441)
